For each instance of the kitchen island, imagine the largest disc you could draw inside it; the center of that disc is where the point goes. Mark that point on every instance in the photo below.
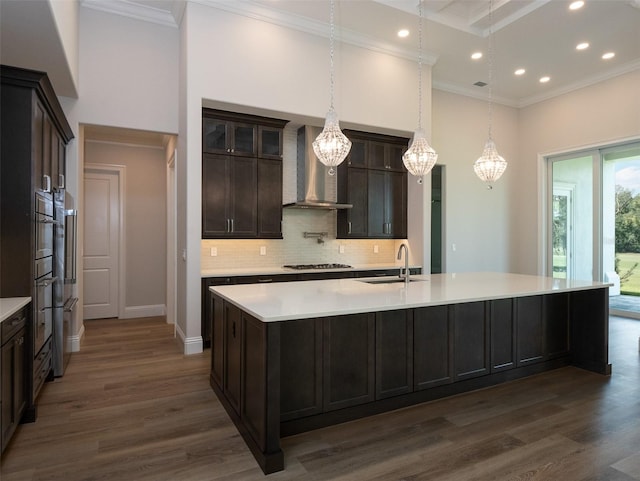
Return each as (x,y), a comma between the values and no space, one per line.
(292,357)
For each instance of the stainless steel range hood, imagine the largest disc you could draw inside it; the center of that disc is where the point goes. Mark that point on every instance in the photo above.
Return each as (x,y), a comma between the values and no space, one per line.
(314,185)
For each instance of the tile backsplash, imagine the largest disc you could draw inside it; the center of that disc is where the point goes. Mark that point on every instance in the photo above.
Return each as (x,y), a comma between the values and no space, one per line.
(294,248)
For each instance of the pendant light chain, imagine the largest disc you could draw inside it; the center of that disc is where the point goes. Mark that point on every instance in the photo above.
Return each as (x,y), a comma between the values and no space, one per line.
(420,158)
(491,165)
(331,146)
(491,48)
(331,50)
(420,66)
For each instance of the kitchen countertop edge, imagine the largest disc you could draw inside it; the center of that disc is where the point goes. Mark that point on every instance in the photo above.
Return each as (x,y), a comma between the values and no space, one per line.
(266,304)
(10,305)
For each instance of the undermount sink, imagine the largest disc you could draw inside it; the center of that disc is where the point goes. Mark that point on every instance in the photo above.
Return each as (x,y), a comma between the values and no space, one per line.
(389,280)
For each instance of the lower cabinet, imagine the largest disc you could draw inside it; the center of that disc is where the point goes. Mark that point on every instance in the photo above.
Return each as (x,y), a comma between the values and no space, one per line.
(432,347)
(301,365)
(348,360)
(394,353)
(332,363)
(471,340)
(12,377)
(530,345)
(503,335)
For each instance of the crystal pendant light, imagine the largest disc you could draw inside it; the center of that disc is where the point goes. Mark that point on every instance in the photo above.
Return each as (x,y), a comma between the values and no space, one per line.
(491,165)
(331,146)
(420,158)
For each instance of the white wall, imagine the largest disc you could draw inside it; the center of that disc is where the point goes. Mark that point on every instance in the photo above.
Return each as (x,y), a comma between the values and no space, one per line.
(476,219)
(65,15)
(262,68)
(128,73)
(597,115)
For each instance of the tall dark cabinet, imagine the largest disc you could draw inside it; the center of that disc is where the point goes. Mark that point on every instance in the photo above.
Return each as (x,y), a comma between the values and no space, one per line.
(241,176)
(374,180)
(34,135)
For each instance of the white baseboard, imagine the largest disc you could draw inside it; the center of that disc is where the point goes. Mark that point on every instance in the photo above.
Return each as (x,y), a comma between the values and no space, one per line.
(74,341)
(144,311)
(192,345)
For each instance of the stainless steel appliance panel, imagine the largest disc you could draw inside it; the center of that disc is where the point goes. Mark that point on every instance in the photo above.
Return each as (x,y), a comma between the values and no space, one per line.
(43,312)
(65,271)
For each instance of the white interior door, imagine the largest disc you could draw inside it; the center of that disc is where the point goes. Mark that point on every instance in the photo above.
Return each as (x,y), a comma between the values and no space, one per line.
(101,244)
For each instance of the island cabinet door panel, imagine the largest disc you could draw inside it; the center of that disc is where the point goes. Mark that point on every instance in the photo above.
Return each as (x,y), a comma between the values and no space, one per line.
(232,354)
(348,360)
(301,368)
(556,325)
(254,383)
(503,335)
(471,340)
(530,346)
(432,347)
(216,307)
(394,353)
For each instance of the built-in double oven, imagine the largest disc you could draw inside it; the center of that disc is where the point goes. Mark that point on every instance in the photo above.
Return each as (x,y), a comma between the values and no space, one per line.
(44,278)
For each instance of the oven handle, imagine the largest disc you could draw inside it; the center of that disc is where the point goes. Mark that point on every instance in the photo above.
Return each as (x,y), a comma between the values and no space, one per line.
(46,282)
(70,304)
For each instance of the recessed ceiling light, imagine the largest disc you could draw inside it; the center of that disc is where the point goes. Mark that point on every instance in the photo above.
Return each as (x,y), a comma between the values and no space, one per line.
(476,55)
(608,55)
(545,79)
(582,46)
(403,33)
(576,5)
(520,71)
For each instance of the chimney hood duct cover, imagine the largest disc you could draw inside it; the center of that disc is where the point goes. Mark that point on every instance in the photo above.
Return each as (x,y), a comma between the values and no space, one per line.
(312,178)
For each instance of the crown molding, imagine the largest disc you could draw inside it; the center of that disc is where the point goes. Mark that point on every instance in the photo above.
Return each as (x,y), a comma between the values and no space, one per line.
(623,69)
(136,11)
(274,16)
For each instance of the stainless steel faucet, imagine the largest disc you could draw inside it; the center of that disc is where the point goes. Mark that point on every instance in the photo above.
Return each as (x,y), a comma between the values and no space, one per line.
(404,276)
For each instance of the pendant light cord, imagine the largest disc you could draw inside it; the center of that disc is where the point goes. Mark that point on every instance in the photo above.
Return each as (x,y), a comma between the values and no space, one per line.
(331,80)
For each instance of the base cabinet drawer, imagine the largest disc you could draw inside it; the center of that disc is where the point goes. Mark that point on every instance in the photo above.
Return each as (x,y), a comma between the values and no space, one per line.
(41,367)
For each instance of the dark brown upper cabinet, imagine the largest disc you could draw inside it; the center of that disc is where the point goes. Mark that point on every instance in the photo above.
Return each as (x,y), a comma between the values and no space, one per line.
(374,180)
(241,176)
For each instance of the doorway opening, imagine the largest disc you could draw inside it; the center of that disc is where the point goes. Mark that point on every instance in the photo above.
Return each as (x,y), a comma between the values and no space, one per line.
(437,188)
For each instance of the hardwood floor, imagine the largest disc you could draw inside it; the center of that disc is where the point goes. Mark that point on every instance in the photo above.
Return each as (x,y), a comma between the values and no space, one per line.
(132,407)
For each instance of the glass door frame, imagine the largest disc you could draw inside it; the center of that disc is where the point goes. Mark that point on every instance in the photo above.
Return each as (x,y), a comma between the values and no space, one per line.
(547,231)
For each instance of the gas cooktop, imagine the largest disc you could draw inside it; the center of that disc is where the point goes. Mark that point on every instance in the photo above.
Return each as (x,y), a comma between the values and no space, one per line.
(317,266)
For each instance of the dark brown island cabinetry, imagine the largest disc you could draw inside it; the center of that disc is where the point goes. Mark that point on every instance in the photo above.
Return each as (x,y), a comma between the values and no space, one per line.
(13,372)
(298,375)
(241,176)
(34,134)
(374,180)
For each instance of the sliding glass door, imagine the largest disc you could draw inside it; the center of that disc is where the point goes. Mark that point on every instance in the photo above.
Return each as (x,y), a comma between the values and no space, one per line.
(593,226)
(573,238)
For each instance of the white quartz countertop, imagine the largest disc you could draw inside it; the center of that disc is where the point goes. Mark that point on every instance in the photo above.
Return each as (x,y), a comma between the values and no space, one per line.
(11,305)
(306,299)
(272,271)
